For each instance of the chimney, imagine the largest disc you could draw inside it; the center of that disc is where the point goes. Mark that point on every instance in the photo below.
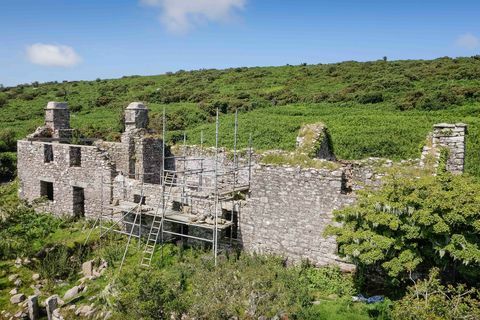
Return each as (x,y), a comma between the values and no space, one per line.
(136,116)
(57,118)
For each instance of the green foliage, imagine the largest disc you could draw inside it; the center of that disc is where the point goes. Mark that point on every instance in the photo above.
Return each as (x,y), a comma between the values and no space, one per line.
(414,223)
(429,299)
(345,309)
(3,100)
(8,165)
(330,280)
(7,140)
(242,285)
(361,103)
(22,230)
(62,262)
(56,264)
(112,252)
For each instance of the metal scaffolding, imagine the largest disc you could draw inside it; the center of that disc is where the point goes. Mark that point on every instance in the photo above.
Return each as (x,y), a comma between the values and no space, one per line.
(199,188)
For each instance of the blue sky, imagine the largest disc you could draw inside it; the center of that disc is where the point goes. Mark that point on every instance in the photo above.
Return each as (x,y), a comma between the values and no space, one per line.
(74,40)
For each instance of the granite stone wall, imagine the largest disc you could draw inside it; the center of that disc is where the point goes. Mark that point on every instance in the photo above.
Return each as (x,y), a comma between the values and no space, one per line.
(94,166)
(287,211)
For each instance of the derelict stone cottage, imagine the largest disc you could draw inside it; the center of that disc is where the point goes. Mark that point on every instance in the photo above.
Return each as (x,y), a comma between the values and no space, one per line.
(151,191)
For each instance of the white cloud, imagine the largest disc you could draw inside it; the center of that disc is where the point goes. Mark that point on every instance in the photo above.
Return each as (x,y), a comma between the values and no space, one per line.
(52,55)
(468,41)
(180,16)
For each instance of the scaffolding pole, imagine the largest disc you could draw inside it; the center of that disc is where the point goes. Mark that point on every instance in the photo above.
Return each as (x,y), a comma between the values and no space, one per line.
(186,191)
(164,124)
(215,236)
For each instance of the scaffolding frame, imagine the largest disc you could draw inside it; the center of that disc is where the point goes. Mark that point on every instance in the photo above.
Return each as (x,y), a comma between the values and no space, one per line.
(186,193)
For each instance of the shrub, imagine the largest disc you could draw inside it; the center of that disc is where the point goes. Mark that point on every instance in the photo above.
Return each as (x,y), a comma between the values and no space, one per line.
(8,166)
(429,299)
(3,100)
(56,264)
(413,224)
(370,97)
(330,281)
(112,252)
(102,101)
(23,230)
(7,140)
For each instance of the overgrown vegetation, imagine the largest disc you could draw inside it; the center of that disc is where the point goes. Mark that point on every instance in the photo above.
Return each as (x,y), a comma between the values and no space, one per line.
(411,225)
(396,235)
(415,240)
(380,109)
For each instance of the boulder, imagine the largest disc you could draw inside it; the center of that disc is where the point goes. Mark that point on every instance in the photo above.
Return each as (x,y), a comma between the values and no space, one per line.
(35,277)
(16,299)
(14,291)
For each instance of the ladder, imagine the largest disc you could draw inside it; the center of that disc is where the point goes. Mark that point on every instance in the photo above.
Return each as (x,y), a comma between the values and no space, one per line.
(157,222)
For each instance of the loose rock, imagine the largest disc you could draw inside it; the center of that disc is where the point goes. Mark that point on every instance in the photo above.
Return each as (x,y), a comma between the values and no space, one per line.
(17,283)
(16,299)
(87,268)
(13,277)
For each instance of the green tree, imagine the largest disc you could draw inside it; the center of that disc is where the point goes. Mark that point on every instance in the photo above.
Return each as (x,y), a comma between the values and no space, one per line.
(412,224)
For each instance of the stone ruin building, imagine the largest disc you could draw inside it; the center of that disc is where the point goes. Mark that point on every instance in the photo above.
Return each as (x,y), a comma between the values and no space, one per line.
(142,188)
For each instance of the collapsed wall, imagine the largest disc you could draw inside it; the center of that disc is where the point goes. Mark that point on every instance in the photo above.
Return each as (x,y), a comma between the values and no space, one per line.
(450,137)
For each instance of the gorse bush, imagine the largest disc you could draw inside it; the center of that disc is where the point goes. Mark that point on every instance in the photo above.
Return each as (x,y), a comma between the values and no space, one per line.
(412,224)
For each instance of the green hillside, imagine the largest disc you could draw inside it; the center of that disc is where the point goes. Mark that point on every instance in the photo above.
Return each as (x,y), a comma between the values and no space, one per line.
(381,109)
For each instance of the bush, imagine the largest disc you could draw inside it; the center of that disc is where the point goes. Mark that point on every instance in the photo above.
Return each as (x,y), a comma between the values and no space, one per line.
(103,101)
(8,166)
(7,140)
(56,264)
(370,97)
(22,229)
(3,100)
(429,299)
(330,281)
(413,224)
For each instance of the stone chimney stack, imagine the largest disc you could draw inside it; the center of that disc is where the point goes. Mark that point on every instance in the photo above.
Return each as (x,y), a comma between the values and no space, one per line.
(452,137)
(57,118)
(136,116)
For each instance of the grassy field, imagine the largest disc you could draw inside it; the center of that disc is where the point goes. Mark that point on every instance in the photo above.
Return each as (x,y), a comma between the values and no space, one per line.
(382,109)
